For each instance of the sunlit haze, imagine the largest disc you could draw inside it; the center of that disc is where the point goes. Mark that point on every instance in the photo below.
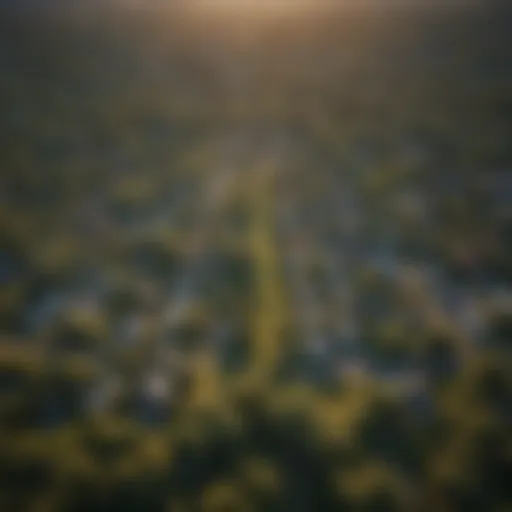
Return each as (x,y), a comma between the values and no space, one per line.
(255,256)
(258,6)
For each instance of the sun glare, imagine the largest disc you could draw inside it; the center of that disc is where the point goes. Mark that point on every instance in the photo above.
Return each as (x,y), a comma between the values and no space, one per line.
(255,7)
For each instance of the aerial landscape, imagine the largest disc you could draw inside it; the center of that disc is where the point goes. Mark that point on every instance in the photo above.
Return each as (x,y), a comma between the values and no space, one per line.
(255,256)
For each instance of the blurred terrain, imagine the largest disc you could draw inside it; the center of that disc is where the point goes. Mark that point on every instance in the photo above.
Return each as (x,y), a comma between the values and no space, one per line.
(255,262)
